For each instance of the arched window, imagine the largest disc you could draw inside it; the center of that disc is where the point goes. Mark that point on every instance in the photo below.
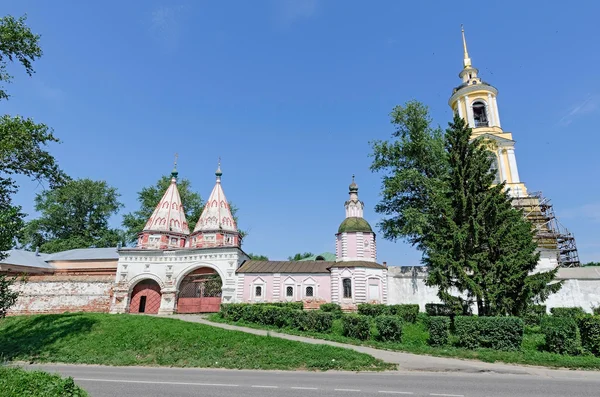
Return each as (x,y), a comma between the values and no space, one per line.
(480,114)
(289,291)
(347,286)
(258,291)
(494,169)
(310,292)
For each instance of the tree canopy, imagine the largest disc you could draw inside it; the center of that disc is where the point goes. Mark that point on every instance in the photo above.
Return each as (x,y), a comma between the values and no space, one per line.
(299,256)
(23,143)
(74,215)
(438,194)
(256,257)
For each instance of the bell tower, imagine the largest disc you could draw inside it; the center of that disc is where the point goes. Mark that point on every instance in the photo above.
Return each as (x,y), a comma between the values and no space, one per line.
(475,101)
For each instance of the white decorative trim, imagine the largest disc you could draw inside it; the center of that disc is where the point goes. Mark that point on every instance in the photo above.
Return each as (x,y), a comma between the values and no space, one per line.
(512,162)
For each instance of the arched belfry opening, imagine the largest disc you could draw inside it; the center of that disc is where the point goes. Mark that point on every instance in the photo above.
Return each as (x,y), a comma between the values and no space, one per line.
(480,115)
(145,297)
(200,292)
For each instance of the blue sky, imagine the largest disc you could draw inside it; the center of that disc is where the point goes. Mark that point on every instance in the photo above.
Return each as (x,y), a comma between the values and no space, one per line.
(289,94)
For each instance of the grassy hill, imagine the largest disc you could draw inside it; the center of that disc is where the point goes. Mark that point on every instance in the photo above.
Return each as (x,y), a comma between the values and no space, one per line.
(122,339)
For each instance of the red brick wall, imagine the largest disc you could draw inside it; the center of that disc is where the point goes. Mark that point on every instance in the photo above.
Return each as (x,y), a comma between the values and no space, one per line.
(64,293)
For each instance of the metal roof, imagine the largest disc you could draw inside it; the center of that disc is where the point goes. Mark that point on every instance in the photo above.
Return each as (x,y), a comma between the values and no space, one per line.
(26,258)
(252,266)
(80,254)
(328,256)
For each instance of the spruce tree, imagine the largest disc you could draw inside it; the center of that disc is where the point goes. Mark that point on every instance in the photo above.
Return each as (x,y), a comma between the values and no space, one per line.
(476,243)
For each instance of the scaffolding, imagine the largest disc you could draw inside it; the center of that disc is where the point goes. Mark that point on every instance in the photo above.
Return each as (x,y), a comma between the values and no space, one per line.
(550,233)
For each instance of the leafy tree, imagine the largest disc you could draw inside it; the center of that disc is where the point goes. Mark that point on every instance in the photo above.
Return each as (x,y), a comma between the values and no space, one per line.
(300,256)
(255,257)
(150,196)
(74,215)
(22,141)
(438,195)
(414,163)
(591,264)
(8,296)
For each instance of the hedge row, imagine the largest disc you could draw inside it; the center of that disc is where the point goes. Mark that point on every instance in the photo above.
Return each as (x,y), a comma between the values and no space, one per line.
(572,312)
(356,326)
(439,330)
(498,333)
(332,308)
(589,328)
(533,315)
(447,310)
(562,334)
(314,320)
(408,313)
(389,328)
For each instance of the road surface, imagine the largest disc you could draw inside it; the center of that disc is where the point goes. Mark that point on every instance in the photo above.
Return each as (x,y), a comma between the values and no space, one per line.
(103,381)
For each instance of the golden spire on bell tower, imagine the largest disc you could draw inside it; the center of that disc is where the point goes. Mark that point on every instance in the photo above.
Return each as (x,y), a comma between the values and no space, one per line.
(466,60)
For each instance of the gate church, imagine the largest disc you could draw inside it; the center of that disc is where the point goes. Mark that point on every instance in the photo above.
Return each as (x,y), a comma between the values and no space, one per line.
(172,270)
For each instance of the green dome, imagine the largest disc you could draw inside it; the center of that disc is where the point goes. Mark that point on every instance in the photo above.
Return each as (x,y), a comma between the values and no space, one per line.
(355,224)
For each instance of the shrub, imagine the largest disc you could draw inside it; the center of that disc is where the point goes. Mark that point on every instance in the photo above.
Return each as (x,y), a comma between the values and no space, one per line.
(283,316)
(373,310)
(572,312)
(389,328)
(408,313)
(251,313)
(313,320)
(356,326)
(533,315)
(589,328)
(332,308)
(562,335)
(439,330)
(232,311)
(498,333)
(16,382)
(596,310)
(447,310)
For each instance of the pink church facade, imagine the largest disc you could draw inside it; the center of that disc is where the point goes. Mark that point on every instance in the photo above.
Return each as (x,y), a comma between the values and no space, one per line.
(173,270)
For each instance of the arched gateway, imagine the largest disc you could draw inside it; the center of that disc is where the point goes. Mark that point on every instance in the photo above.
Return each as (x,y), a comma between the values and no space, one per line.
(200,292)
(145,297)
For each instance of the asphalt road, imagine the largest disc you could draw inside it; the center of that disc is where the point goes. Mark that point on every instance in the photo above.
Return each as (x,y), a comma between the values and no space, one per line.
(101,381)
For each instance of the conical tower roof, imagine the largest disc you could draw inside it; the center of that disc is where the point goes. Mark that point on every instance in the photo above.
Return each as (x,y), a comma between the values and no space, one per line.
(169,215)
(216,215)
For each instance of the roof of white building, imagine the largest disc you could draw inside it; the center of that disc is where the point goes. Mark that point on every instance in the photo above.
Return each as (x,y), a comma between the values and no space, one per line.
(26,258)
(169,215)
(216,215)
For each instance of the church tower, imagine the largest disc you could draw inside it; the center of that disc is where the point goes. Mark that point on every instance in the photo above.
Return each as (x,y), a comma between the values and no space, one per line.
(475,101)
(216,226)
(167,227)
(355,240)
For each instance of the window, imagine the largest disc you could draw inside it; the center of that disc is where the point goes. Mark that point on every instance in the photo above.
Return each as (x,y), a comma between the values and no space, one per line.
(258,291)
(173,241)
(309,292)
(347,286)
(289,291)
(494,169)
(480,114)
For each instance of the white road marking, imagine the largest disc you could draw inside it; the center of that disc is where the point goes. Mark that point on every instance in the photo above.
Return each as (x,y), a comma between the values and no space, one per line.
(395,392)
(447,395)
(266,387)
(304,388)
(346,389)
(155,382)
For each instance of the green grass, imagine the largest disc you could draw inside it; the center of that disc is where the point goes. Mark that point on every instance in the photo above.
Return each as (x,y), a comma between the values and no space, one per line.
(16,382)
(124,339)
(414,340)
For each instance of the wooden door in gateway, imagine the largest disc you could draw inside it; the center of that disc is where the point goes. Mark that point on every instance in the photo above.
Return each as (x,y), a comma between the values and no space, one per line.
(145,297)
(200,292)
